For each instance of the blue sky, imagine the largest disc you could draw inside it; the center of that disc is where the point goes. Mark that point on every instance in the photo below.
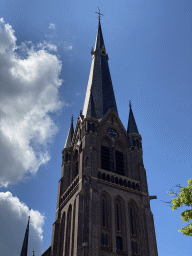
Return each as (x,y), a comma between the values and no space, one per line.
(149,44)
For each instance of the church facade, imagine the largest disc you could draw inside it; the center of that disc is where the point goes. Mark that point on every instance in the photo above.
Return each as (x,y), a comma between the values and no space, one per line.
(103,205)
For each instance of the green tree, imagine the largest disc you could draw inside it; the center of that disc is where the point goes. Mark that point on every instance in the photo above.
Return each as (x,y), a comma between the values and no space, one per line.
(184,197)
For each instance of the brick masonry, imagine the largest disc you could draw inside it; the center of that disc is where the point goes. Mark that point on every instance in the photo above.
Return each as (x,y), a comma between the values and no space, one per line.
(86,189)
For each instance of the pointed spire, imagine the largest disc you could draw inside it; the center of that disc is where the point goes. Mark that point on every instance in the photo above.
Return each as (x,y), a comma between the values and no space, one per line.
(25,241)
(99,89)
(70,135)
(132,127)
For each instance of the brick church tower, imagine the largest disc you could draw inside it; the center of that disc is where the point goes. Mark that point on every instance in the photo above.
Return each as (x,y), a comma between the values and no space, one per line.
(103,205)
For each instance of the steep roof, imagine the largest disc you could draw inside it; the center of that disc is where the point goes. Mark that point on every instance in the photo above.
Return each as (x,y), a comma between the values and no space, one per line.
(100,95)
(70,135)
(25,241)
(132,127)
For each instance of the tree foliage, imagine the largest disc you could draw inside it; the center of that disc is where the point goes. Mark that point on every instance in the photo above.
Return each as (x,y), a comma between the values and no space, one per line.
(184,197)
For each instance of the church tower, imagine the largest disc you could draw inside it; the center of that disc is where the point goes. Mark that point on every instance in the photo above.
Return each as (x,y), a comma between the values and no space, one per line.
(103,205)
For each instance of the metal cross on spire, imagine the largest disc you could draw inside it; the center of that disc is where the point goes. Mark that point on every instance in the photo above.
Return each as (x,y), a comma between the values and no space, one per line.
(99,14)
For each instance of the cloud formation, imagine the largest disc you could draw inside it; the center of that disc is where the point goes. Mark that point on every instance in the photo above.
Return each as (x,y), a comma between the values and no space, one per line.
(13,223)
(52,26)
(29,82)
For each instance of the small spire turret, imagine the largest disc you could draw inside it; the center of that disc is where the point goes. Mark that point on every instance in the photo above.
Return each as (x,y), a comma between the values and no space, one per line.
(132,126)
(70,135)
(25,241)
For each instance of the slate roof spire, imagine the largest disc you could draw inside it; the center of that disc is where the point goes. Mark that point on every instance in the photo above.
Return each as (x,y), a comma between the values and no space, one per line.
(132,127)
(100,92)
(25,241)
(70,135)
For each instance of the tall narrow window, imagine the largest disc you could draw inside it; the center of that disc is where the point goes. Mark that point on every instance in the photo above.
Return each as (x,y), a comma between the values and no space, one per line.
(119,162)
(103,213)
(132,221)
(132,247)
(106,240)
(102,239)
(72,246)
(117,216)
(68,231)
(119,243)
(75,165)
(105,158)
(136,248)
(62,231)
(76,168)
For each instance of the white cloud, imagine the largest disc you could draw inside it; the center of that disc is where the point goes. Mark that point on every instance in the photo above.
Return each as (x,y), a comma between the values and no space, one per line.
(52,26)
(29,81)
(70,47)
(47,46)
(13,223)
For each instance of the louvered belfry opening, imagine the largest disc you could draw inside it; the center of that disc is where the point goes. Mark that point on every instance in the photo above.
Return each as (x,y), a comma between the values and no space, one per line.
(105,158)
(119,162)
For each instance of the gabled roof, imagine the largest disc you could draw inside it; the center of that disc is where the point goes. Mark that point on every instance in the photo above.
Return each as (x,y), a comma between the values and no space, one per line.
(132,127)
(100,92)
(70,135)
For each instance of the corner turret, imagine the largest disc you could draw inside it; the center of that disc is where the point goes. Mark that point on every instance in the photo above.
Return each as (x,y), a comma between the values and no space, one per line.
(70,135)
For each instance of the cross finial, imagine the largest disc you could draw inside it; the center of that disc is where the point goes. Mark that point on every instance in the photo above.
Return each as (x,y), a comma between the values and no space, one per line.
(72,119)
(99,14)
(129,103)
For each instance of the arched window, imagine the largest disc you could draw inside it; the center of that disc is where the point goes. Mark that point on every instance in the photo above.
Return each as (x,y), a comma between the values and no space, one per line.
(108,177)
(119,162)
(119,243)
(105,158)
(136,248)
(68,231)
(133,185)
(125,183)
(66,157)
(62,231)
(102,238)
(132,221)
(106,240)
(119,221)
(103,176)
(76,165)
(118,216)
(105,219)
(132,247)
(73,228)
(104,212)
